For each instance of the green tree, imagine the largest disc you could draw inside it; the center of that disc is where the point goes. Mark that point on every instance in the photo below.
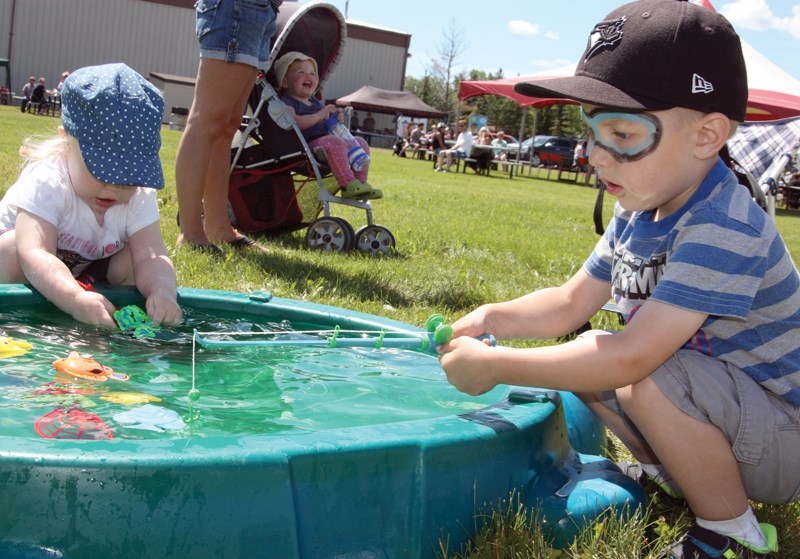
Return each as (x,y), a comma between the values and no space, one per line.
(428,88)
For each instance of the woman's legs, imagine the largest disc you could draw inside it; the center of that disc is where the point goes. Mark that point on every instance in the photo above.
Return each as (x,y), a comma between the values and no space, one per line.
(203,159)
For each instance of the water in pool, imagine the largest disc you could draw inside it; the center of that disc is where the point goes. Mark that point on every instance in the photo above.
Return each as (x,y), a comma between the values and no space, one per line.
(240,390)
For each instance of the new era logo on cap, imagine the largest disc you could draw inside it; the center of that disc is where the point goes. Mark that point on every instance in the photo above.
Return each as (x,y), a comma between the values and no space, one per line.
(699,85)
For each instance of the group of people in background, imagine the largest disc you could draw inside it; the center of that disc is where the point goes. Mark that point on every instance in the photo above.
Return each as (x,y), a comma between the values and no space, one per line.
(439,141)
(35,93)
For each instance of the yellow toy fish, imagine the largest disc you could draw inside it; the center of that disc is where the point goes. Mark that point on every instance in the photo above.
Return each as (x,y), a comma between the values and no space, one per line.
(129,398)
(9,347)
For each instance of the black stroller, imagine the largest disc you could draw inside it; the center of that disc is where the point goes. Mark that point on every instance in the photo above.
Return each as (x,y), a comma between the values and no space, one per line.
(278,183)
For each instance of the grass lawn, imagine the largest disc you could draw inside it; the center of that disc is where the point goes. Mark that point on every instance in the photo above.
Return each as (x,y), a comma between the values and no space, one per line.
(462,240)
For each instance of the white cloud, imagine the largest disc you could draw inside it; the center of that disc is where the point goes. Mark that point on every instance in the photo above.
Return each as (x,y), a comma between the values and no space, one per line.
(519,27)
(552,63)
(757,15)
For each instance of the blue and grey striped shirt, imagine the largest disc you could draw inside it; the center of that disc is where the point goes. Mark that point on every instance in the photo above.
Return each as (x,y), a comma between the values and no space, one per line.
(720,255)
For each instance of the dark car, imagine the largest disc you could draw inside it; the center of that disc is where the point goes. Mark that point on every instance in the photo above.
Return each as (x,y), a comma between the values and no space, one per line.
(565,147)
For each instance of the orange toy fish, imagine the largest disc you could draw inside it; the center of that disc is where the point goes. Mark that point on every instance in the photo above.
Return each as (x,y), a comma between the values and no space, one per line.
(85,367)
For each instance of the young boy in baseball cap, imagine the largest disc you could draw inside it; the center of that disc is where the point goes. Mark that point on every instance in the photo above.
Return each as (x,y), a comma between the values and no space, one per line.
(703,383)
(84,208)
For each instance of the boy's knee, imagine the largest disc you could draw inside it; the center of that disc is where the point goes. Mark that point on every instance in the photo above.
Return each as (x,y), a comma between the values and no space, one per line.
(639,397)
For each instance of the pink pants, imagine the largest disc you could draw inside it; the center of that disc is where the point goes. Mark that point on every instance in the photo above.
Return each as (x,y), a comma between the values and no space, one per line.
(336,150)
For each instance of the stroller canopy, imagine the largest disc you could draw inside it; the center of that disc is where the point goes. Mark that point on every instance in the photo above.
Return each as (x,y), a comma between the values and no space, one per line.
(316,29)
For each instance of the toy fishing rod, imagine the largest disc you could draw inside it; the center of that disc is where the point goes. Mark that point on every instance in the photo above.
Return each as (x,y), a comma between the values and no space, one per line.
(438,333)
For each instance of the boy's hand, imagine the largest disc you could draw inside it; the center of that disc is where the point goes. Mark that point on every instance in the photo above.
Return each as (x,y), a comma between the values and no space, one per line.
(162,307)
(467,363)
(473,324)
(92,308)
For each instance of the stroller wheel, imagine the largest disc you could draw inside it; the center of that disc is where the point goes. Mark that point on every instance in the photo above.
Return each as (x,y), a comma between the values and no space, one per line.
(333,234)
(374,239)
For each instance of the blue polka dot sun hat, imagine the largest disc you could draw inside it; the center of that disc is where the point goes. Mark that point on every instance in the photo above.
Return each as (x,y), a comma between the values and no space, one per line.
(115,114)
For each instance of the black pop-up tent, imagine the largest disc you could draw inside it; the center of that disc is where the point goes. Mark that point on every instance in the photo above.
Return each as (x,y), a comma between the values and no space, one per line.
(377,100)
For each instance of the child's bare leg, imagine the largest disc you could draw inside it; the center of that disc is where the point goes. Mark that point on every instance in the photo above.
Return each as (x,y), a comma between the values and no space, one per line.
(697,455)
(120,268)
(10,271)
(632,440)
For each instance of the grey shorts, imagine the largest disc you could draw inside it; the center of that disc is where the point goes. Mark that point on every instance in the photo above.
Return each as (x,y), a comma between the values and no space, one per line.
(764,429)
(236,30)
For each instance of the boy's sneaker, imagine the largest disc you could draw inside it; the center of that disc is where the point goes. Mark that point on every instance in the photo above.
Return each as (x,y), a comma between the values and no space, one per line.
(699,543)
(634,471)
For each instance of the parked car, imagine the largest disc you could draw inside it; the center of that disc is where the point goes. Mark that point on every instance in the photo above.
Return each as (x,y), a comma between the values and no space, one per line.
(565,147)
(511,140)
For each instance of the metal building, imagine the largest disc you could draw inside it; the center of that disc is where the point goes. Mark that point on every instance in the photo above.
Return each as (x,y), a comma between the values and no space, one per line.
(44,38)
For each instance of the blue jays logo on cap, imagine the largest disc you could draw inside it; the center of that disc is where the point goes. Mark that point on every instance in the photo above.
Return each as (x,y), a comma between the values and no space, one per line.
(605,35)
(115,114)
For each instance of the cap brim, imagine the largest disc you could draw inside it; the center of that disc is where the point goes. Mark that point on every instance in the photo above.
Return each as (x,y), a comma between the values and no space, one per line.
(124,169)
(585,89)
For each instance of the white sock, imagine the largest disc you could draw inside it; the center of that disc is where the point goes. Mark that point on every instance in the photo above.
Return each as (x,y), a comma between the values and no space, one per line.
(744,528)
(660,474)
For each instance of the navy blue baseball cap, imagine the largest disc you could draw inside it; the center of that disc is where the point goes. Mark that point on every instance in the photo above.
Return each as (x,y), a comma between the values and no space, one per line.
(115,114)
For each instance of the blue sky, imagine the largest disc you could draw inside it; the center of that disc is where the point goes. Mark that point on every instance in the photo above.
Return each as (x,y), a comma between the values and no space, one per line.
(528,36)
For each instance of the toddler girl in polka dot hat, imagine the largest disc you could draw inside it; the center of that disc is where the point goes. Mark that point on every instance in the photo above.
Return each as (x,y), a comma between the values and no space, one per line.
(84,209)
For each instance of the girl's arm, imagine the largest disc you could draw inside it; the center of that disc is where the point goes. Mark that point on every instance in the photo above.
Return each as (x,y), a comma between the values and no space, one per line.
(154,275)
(36,248)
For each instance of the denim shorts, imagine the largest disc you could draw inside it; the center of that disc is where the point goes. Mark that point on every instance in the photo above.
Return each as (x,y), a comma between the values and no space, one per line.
(236,30)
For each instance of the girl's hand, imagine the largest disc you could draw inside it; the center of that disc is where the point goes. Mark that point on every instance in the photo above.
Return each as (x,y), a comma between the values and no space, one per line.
(329,110)
(92,308)
(162,307)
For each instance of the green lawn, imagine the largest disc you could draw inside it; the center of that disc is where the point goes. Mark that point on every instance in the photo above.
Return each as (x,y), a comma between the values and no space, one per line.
(461,240)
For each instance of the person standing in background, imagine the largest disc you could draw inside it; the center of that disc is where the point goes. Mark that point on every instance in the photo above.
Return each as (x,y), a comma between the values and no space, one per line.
(27,91)
(234,40)
(369,127)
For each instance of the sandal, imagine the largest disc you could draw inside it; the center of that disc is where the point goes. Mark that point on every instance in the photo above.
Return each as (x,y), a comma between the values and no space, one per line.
(206,248)
(245,243)
(356,189)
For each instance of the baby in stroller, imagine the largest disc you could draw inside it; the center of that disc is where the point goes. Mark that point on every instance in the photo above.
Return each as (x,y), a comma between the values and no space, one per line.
(297,78)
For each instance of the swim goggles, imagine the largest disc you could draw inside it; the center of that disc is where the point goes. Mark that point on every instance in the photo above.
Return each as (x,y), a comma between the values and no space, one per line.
(627,136)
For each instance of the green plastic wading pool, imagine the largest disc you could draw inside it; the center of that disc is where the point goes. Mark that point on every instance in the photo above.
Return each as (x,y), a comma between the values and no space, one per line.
(395,488)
